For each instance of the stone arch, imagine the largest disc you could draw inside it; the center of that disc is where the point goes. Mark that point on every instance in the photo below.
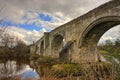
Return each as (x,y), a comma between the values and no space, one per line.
(57,44)
(93,33)
(42,47)
(97,28)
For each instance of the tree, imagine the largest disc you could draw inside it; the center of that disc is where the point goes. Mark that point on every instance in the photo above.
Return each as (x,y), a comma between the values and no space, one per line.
(2,30)
(117,42)
(7,40)
(108,42)
(13,46)
(21,48)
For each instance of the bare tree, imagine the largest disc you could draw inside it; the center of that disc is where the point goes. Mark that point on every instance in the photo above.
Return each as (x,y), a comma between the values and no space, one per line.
(21,48)
(7,40)
(2,30)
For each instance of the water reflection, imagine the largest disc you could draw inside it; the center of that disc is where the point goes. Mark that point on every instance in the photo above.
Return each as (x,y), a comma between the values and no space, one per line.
(28,72)
(9,69)
(15,68)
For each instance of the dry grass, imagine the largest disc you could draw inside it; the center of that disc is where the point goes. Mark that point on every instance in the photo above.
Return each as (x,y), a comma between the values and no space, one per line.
(94,71)
(65,71)
(11,78)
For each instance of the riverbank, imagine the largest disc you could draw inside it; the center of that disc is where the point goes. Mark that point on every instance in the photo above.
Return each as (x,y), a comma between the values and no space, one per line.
(54,68)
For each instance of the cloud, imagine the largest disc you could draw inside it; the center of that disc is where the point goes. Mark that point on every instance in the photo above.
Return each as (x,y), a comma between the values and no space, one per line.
(64,9)
(26,35)
(60,12)
(112,34)
(12,13)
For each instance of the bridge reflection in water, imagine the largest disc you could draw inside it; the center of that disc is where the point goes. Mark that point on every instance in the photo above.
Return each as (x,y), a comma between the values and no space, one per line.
(16,69)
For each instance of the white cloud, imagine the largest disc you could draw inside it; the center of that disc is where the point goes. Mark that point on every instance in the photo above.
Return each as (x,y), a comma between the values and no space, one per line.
(31,15)
(43,30)
(112,34)
(13,13)
(61,11)
(25,35)
(66,10)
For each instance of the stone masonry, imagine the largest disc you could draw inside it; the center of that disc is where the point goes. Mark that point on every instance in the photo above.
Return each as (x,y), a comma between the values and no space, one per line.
(76,41)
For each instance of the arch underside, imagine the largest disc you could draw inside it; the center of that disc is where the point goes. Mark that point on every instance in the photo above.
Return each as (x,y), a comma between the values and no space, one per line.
(95,31)
(42,48)
(57,44)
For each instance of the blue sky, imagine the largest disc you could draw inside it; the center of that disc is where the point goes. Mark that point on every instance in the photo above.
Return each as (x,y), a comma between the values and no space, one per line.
(26,25)
(29,19)
(45,17)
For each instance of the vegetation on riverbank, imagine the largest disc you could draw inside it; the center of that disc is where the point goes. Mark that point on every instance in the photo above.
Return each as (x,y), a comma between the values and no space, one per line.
(16,52)
(12,47)
(58,69)
(107,70)
(111,52)
(110,49)
(53,69)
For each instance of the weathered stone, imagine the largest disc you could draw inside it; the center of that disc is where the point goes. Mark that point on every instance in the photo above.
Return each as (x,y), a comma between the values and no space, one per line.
(85,31)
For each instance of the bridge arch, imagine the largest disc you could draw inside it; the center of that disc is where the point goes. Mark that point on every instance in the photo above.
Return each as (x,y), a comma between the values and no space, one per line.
(57,44)
(92,35)
(96,29)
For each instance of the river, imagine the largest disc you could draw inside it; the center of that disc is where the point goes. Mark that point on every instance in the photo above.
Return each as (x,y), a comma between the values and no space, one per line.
(12,68)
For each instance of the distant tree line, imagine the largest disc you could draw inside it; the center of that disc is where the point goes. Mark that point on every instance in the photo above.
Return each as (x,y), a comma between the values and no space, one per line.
(111,48)
(12,46)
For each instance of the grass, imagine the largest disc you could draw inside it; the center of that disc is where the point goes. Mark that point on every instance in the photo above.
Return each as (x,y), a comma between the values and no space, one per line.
(47,59)
(65,69)
(69,71)
(58,70)
(103,52)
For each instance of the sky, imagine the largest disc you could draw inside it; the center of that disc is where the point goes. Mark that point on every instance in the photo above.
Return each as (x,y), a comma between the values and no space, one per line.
(29,19)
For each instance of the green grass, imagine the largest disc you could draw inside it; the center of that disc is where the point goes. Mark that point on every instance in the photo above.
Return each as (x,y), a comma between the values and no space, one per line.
(47,59)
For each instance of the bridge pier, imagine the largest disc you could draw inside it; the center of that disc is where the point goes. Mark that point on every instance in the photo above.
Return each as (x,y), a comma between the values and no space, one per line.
(85,30)
(89,54)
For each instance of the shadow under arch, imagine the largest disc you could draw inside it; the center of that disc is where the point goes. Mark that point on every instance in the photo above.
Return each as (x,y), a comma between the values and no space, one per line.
(96,29)
(57,44)
(42,48)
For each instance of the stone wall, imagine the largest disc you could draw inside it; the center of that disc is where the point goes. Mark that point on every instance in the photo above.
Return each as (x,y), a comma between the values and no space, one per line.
(84,31)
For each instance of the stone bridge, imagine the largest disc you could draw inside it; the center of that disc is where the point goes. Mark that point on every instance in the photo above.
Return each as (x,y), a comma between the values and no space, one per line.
(76,41)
